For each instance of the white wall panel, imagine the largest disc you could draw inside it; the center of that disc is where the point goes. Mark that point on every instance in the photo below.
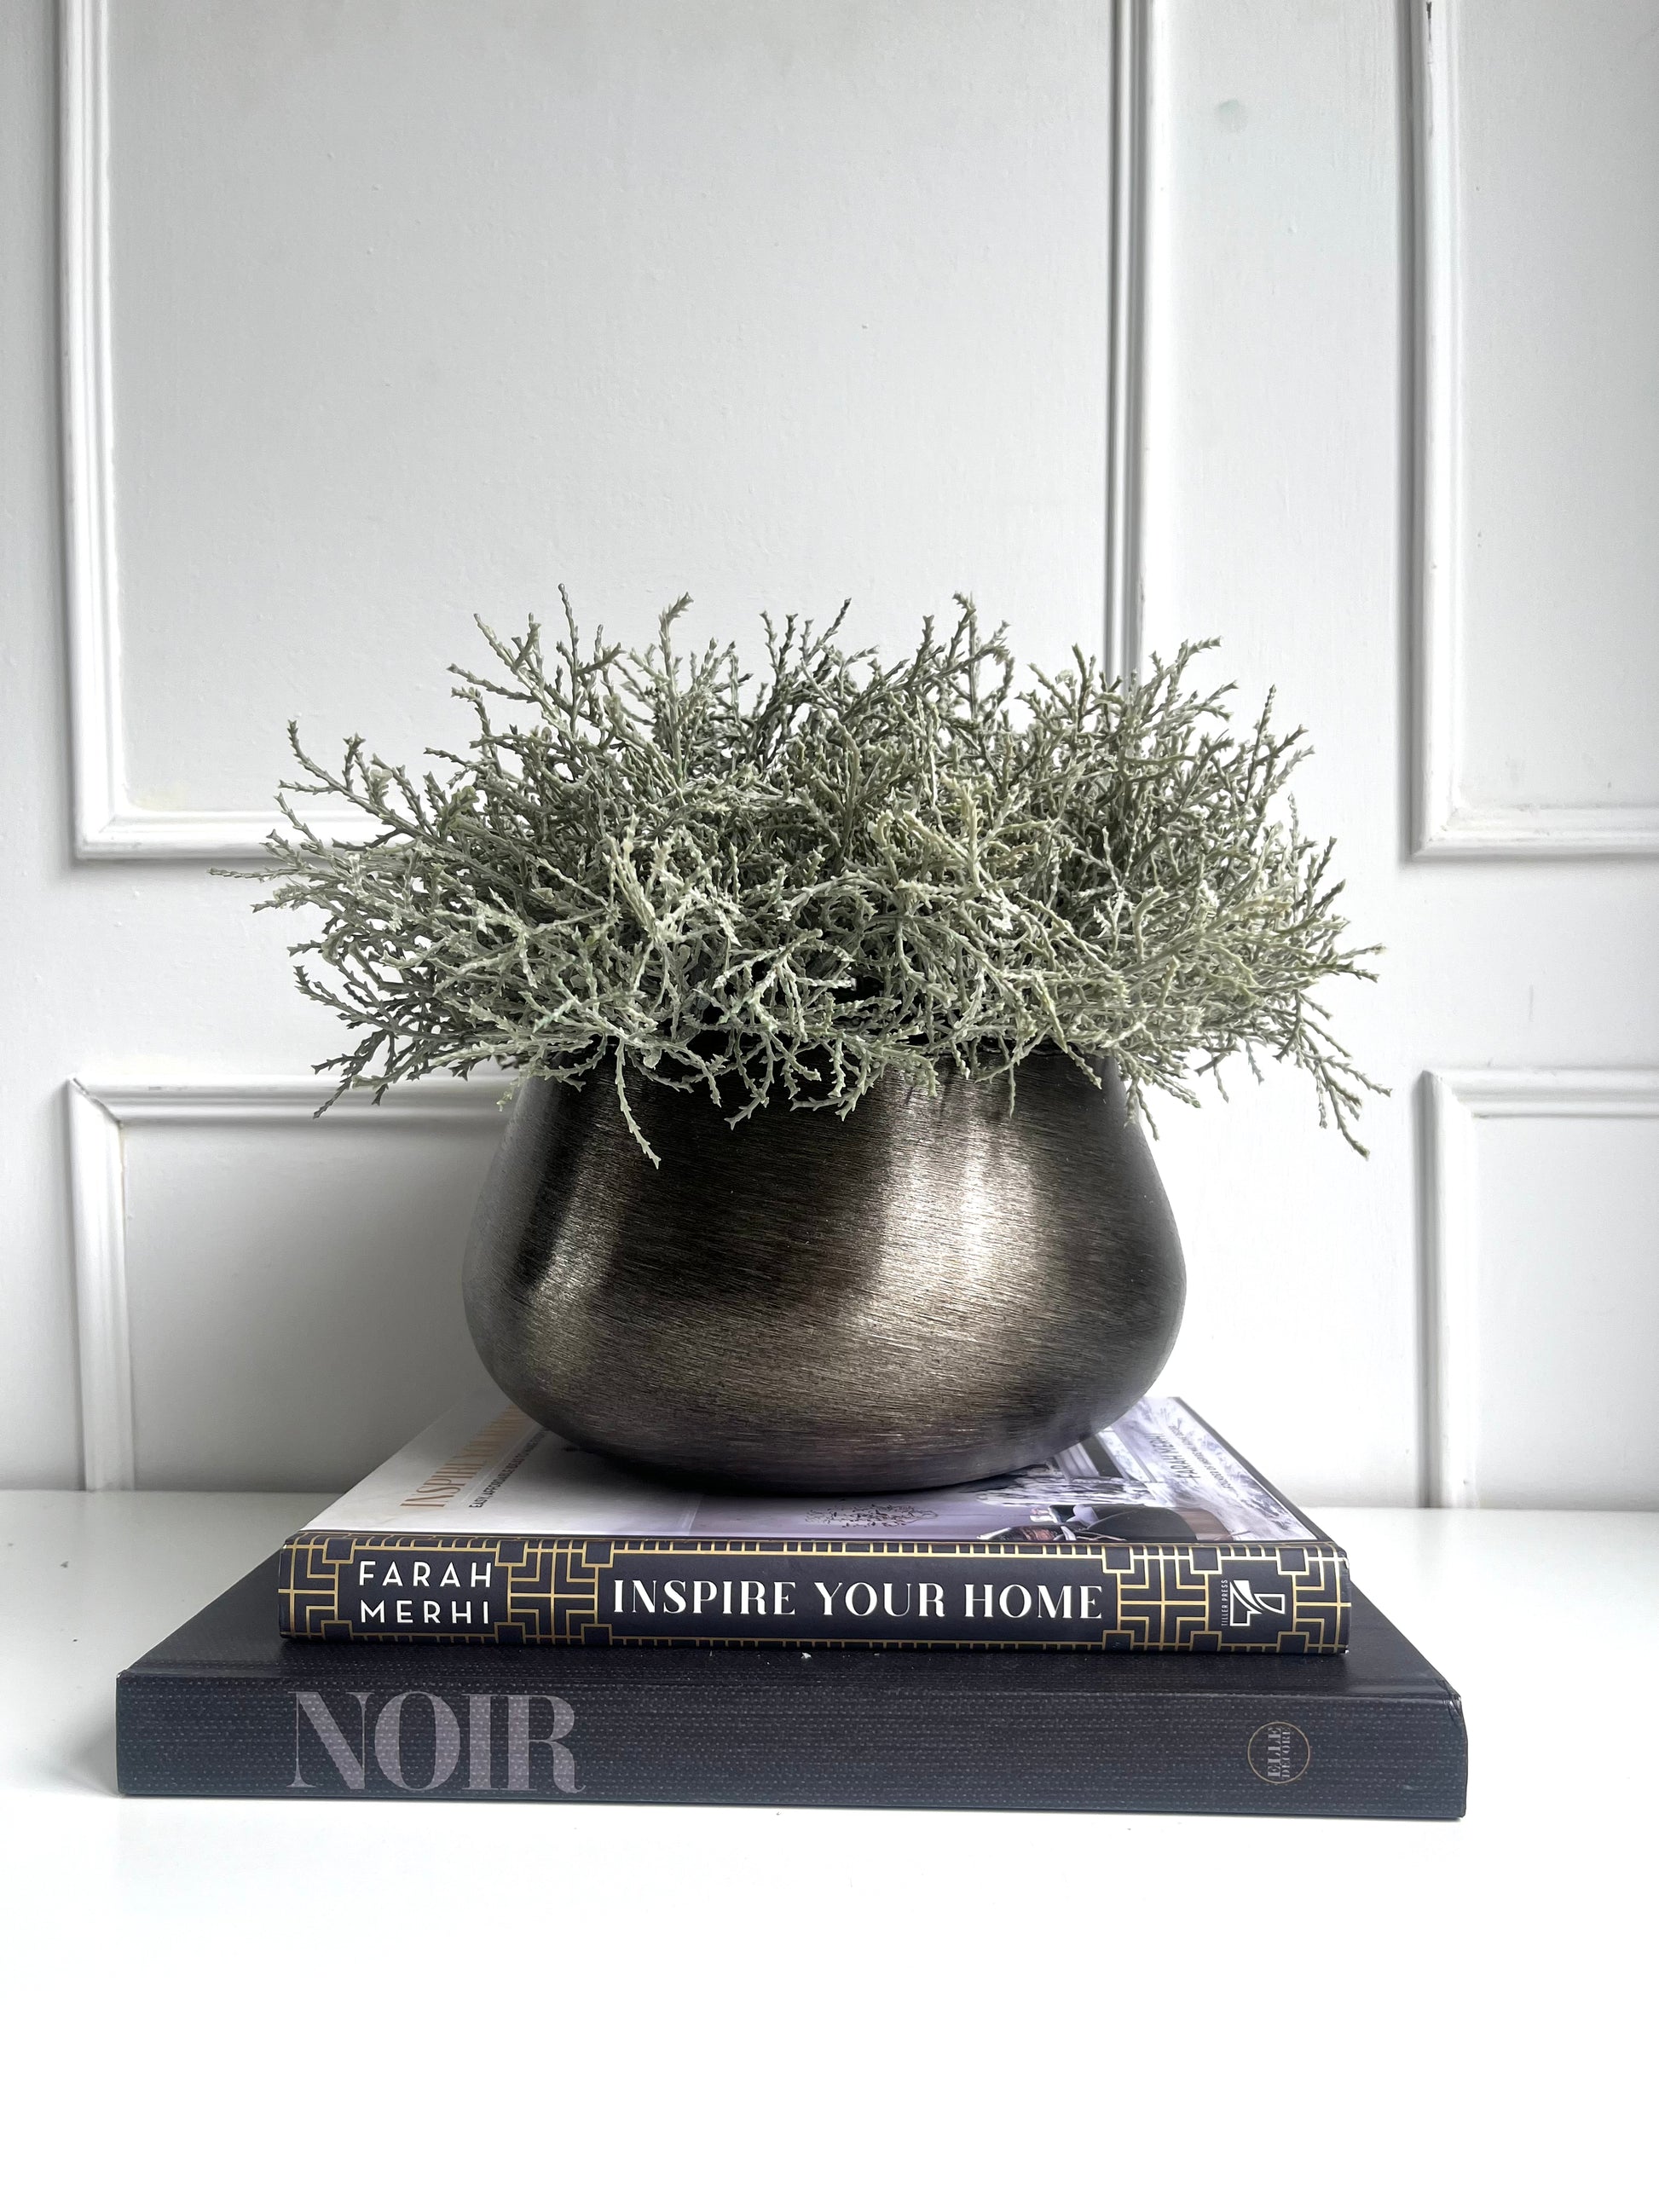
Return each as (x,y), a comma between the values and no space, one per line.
(1539,338)
(419,310)
(1272,519)
(1545,1225)
(1292,155)
(271,1300)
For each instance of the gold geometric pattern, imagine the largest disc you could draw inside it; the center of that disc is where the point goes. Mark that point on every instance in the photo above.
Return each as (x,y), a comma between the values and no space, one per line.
(1224,1597)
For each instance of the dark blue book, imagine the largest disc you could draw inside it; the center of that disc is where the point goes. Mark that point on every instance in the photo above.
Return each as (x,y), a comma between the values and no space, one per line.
(228,1707)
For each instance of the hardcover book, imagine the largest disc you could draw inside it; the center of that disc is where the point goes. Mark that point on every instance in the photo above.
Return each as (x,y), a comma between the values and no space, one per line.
(227,1708)
(1153,1535)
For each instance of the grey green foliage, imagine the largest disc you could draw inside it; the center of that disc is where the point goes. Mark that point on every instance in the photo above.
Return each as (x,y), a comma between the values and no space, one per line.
(662,869)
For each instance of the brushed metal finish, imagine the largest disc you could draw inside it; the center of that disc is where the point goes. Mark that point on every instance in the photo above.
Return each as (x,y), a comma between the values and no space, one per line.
(932,1291)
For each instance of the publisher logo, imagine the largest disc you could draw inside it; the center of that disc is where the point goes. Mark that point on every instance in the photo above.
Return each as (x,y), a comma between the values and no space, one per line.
(1279,1752)
(1256,1598)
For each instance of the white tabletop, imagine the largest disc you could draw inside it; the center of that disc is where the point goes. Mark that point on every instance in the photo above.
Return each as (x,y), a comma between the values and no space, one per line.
(237,2004)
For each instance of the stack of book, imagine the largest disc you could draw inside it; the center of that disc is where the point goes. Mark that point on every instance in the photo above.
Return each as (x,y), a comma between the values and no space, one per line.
(1143,1624)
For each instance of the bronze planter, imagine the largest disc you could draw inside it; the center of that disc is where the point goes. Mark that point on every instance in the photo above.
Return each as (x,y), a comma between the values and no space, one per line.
(932,1290)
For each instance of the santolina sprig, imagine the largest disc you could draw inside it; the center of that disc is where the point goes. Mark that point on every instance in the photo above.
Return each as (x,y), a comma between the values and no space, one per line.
(651,865)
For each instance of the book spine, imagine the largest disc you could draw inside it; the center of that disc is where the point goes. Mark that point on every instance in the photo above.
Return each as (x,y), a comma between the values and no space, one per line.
(837,1729)
(1286,1599)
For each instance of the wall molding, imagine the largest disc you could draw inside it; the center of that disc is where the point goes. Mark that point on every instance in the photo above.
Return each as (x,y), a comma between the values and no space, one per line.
(1455,1102)
(1446,822)
(100,1114)
(108,824)
(1126,360)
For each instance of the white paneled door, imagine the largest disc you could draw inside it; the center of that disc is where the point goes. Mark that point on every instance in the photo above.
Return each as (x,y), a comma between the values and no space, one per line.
(1326,328)
(1402,418)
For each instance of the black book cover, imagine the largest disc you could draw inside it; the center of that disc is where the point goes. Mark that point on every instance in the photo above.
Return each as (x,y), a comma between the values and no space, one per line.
(1153,1535)
(228,1707)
